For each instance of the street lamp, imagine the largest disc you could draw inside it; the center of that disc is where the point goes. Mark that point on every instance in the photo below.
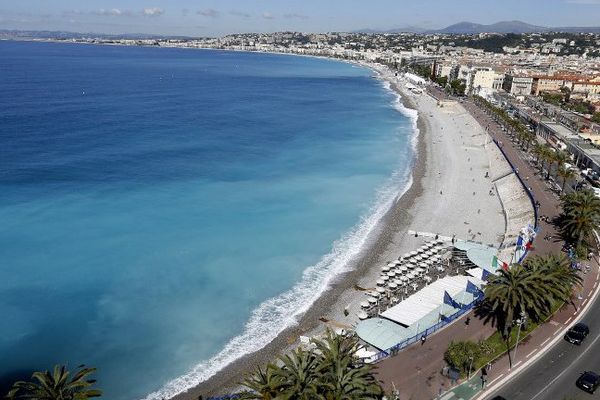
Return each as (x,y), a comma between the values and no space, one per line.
(521,321)
(470,365)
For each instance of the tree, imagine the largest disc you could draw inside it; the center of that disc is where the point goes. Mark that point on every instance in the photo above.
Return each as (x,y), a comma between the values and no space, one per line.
(56,385)
(565,174)
(519,290)
(559,157)
(556,270)
(331,371)
(580,215)
(340,371)
(458,87)
(462,355)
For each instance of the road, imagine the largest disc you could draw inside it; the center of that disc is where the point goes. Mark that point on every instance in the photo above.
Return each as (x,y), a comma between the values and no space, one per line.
(553,376)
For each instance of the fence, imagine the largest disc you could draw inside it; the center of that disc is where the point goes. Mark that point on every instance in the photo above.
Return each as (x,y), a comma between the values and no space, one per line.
(413,339)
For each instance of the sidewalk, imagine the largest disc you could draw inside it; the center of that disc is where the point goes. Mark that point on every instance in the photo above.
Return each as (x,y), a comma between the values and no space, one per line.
(416,371)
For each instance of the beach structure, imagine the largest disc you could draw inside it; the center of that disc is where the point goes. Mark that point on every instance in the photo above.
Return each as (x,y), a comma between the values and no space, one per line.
(433,283)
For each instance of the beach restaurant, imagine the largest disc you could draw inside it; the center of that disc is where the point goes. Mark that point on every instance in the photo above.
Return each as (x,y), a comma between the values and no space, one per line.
(422,312)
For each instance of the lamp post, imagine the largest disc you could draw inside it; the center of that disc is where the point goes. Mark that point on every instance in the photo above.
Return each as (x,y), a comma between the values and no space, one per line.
(470,365)
(521,321)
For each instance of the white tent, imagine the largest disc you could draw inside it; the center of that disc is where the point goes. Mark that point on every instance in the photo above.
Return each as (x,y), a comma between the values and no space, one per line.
(427,299)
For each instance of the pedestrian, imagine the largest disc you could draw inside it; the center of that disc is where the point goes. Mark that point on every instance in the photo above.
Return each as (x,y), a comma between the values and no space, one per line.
(423,339)
(467,321)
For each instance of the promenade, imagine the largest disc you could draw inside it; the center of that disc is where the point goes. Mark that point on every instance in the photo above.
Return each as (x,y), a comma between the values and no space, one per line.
(416,372)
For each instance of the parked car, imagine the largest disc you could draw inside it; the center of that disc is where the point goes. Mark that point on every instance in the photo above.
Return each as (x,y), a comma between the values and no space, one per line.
(577,333)
(588,381)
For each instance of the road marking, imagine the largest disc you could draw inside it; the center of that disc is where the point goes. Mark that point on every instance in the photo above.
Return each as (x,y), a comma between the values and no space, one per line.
(567,321)
(558,330)
(585,301)
(529,355)
(515,364)
(495,379)
(545,341)
(581,354)
(595,284)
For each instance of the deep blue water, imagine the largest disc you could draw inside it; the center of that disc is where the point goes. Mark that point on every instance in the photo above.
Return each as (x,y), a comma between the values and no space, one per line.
(156,204)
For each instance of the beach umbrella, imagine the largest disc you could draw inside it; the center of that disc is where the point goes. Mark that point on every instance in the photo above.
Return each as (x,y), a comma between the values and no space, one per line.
(362,315)
(420,250)
(407,255)
(384,278)
(372,300)
(411,265)
(380,290)
(404,278)
(403,268)
(373,293)
(419,270)
(391,274)
(365,304)
(393,286)
(398,262)
(385,268)
(391,264)
(413,253)
(423,264)
(418,258)
(380,282)
(398,282)
(429,253)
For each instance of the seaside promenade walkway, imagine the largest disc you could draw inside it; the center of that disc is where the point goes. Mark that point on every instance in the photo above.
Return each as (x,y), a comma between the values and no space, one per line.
(416,371)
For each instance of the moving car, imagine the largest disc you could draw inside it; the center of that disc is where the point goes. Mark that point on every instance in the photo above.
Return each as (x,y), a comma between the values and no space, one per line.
(588,381)
(577,333)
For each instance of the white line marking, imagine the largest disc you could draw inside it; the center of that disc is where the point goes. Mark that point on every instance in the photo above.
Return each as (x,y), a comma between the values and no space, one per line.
(495,379)
(558,330)
(595,285)
(515,364)
(567,321)
(529,355)
(545,341)
(581,354)
(585,301)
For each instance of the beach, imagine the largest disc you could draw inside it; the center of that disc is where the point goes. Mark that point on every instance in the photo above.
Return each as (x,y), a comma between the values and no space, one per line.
(452,194)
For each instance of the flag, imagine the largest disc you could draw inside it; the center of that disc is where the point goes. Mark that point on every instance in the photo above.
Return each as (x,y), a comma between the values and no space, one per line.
(520,241)
(472,288)
(495,262)
(450,301)
(504,266)
(528,245)
(485,274)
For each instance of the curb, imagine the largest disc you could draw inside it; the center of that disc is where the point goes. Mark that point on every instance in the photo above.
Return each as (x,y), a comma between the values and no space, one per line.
(579,314)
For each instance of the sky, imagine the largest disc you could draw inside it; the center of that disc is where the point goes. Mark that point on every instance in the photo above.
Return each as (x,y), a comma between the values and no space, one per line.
(221,17)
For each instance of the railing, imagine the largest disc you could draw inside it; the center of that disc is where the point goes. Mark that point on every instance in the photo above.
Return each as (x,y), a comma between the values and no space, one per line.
(413,339)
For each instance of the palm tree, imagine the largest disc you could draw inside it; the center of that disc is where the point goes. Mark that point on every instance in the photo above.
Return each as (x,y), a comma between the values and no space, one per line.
(518,290)
(580,215)
(340,371)
(565,174)
(298,375)
(265,385)
(56,385)
(556,270)
(559,157)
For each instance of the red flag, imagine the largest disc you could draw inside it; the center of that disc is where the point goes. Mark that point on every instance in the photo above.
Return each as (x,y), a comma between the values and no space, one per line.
(504,266)
(528,245)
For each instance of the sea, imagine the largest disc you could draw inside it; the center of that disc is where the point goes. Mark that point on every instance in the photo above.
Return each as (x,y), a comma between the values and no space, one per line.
(166,211)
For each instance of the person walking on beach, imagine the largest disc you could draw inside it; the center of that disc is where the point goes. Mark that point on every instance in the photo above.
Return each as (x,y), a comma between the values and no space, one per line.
(467,321)
(423,340)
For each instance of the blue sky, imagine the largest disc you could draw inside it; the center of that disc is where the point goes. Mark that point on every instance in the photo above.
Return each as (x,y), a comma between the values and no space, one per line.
(219,17)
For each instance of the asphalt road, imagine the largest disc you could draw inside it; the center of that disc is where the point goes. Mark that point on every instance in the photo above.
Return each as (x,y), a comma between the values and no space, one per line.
(553,376)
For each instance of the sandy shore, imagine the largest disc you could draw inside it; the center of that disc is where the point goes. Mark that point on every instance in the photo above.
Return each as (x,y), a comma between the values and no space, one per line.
(449,196)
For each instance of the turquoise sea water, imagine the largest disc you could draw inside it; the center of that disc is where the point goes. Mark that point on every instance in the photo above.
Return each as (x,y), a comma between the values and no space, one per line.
(165,211)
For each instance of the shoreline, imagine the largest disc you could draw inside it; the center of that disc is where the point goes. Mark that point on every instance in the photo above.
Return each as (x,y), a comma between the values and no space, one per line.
(380,240)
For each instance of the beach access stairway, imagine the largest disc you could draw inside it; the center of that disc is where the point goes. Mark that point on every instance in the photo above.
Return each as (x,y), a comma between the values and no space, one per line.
(518,211)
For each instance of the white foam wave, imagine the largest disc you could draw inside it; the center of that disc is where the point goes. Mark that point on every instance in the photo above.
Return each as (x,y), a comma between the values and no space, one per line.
(275,315)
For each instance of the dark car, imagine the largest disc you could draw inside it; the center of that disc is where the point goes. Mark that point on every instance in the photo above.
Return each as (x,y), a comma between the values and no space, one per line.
(498,398)
(577,333)
(588,381)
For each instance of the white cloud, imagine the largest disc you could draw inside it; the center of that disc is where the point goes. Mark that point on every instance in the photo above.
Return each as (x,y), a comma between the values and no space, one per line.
(113,12)
(268,15)
(153,12)
(209,12)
